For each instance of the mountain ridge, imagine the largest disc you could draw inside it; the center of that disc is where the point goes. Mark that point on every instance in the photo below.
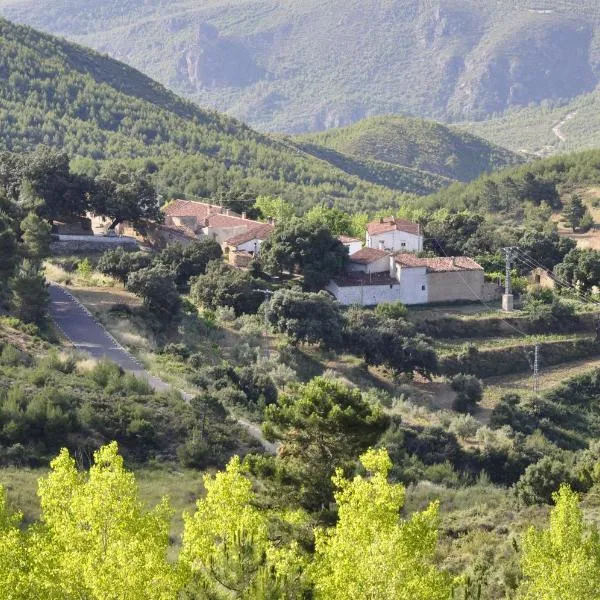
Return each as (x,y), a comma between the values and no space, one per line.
(292,66)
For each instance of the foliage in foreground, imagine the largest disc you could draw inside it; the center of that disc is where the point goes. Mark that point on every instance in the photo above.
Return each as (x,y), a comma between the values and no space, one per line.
(96,540)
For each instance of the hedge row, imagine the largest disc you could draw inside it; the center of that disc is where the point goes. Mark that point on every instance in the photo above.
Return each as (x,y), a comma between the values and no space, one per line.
(456,328)
(507,361)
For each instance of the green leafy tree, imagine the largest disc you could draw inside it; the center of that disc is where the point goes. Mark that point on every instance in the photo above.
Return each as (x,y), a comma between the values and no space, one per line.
(36,237)
(321,426)
(306,317)
(187,261)
(371,552)
(156,286)
(575,211)
(546,249)
(119,263)
(274,208)
(226,547)
(336,220)
(469,393)
(581,268)
(389,342)
(299,246)
(223,285)
(29,293)
(541,480)
(123,194)
(97,541)
(561,562)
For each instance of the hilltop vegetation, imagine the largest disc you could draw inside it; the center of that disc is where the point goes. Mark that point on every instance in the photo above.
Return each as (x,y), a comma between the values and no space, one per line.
(90,106)
(552,128)
(417,144)
(290,66)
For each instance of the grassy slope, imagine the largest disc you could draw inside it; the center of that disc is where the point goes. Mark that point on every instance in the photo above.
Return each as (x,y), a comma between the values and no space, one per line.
(303,68)
(417,144)
(531,129)
(62,95)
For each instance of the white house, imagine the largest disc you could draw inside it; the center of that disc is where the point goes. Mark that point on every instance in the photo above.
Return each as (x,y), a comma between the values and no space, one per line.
(353,244)
(208,220)
(396,235)
(370,261)
(249,241)
(375,276)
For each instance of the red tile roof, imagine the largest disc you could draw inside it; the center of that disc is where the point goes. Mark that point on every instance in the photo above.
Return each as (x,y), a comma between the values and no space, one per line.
(230,220)
(393,224)
(260,232)
(366,256)
(439,264)
(189,208)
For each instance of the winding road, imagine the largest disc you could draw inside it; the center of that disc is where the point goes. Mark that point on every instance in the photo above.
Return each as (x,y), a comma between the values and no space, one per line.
(79,326)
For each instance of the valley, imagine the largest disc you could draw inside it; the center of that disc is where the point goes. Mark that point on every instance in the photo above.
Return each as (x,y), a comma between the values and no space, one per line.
(269,331)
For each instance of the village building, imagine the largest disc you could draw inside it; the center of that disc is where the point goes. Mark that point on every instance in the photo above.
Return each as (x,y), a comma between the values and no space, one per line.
(375,276)
(352,244)
(395,235)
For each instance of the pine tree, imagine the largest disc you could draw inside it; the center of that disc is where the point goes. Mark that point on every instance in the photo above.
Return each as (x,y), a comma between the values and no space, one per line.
(575,211)
(36,237)
(29,293)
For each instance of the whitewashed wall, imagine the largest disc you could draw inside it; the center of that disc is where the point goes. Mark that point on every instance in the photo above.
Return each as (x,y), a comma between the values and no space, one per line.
(366,295)
(393,240)
(413,285)
(353,246)
(381,265)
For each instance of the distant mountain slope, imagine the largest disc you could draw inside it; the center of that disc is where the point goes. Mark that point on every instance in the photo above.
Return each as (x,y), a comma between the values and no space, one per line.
(300,65)
(545,130)
(55,93)
(417,144)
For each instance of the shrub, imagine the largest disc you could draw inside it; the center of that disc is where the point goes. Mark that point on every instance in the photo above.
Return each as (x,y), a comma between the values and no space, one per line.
(391,310)
(464,426)
(541,480)
(469,392)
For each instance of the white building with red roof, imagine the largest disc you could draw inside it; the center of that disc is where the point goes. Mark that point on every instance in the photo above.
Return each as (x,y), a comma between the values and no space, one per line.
(374,276)
(396,235)
(353,244)
(215,222)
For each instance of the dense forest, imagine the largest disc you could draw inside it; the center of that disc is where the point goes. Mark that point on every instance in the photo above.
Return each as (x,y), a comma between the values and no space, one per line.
(416,143)
(64,96)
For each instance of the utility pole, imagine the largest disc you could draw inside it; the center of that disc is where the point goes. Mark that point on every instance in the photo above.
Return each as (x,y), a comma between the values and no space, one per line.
(508,298)
(536,369)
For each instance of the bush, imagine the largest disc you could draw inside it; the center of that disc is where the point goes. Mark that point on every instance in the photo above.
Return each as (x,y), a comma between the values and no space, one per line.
(464,426)
(541,480)
(306,318)
(469,392)
(391,310)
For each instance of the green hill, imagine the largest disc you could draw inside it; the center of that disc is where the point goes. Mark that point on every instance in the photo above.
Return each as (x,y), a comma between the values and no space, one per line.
(58,94)
(416,144)
(545,130)
(289,65)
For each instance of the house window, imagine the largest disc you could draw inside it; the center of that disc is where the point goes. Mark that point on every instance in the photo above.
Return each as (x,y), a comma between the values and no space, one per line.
(403,244)
(422,288)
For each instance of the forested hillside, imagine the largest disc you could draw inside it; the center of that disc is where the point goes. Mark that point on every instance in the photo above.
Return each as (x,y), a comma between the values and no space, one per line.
(292,66)
(63,96)
(552,128)
(415,143)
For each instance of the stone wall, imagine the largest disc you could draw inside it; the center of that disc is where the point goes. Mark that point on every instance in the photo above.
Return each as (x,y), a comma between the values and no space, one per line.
(76,244)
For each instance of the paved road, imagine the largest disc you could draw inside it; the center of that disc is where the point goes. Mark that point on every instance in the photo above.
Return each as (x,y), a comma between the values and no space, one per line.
(87,335)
